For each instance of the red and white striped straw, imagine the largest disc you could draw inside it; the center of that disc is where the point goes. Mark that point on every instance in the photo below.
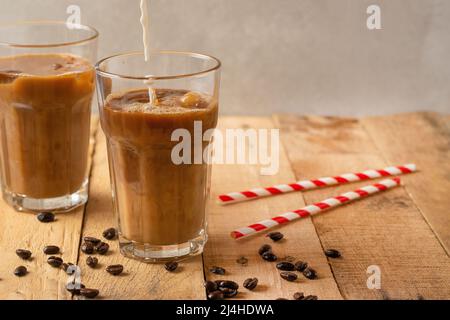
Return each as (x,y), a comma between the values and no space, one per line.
(256,193)
(315,208)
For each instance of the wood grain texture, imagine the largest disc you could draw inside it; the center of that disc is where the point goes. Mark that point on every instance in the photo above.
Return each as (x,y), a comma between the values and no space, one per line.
(386,230)
(422,138)
(300,241)
(139,280)
(23,230)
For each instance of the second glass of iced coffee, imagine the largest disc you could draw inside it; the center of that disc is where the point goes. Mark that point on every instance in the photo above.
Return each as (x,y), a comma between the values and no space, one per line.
(159,188)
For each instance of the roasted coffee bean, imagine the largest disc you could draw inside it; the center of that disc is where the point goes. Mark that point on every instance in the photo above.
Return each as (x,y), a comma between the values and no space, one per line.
(87,248)
(109,233)
(46,217)
(227,284)
(102,248)
(20,271)
(275,236)
(242,261)
(301,266)
(115,269)
(217,270)
(332,253)
(299,296)
(89,293)
(55,262)
(269,256)
(51,250)
(289,276)
(285,266)
(250,283)
(211,286)
(23,254)
(171,266)
(91,261)
(264,248)
(92,240)
(310,273)
(228,292)
(311,297)
(73,288)
(65,267)
(216,295)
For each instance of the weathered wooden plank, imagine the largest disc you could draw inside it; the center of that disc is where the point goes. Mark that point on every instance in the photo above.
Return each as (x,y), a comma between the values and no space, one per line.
(22,230)
(301,240)
(386,230)
(422,138)
(139,280)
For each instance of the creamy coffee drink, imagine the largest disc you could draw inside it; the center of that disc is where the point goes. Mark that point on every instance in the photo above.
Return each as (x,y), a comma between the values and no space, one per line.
(157,202)
(45,104)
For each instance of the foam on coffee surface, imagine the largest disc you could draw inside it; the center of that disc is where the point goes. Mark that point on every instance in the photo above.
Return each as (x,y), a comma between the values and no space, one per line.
(167,101)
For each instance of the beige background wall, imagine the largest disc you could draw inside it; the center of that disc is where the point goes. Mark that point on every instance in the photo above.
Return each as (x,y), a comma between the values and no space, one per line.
(303,56)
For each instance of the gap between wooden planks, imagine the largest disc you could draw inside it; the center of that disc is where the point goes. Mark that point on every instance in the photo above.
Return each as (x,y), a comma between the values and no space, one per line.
(22,230)
(387,230)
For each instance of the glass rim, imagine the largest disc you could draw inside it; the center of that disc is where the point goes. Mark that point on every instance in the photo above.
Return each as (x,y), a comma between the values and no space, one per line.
(49,45)
(217,65)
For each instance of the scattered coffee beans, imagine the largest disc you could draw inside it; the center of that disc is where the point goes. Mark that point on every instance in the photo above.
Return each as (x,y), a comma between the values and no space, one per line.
(109,233)
(275,236)
(46,217)
(269,256)
(250,283)
(115,269)
(23,254)
(92,240)
(55,262)
(299,296)
(289,276)
(217,270)
(91,261)
(89,293)
(51,250)
(264,248)
(211,286)
(87,248)
(171,266)
(102,248)
(332,253)
(20,271)
(301,266)
(311,297)
(216,295)
(285,266)
(310,273)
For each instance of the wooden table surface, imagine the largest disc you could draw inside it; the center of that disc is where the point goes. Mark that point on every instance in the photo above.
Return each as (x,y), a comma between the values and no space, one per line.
(404,231)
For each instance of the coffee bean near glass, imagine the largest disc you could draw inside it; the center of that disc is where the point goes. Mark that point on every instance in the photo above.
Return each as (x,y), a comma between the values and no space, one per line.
(147,107)
(47,81)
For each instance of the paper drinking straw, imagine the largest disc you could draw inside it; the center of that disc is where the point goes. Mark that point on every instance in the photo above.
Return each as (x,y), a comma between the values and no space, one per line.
(256,193)
(315,208)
